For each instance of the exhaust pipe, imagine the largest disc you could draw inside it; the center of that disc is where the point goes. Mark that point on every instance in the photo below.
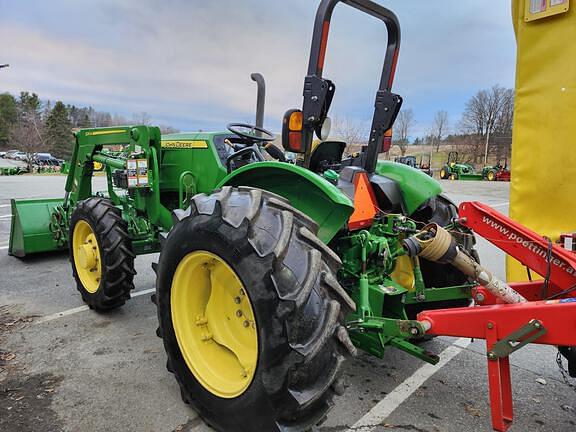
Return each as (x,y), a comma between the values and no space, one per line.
(436,244)
(260,98)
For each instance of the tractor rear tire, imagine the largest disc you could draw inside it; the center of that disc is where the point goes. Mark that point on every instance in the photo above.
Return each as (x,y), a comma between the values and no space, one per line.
(107,284)
(297,310)
(444,173)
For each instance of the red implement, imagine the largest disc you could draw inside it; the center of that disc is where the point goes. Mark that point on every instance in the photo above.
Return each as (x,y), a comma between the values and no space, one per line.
(508,327)
(528,247)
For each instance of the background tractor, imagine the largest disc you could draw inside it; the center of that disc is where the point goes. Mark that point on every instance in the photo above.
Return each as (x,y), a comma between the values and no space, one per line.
(455,170)
(423,165)
(498,172)
(270,273)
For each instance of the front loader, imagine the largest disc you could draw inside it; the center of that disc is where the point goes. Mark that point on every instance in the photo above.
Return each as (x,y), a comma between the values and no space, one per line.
(270,273)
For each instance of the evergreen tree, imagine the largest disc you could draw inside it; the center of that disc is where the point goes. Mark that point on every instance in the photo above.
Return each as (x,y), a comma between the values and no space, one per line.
(59,131)
(29,104)
(84,121)
(8,116)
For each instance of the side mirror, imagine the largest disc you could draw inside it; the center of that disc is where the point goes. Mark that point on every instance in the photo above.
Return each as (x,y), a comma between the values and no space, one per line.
(292,131)
(323,131)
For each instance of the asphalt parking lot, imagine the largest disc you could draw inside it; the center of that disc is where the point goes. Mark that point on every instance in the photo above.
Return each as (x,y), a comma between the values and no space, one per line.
(66,368)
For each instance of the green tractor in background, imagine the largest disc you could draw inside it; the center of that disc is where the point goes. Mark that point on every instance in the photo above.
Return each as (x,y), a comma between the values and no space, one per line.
(270,273)
(455,170)
(498,172)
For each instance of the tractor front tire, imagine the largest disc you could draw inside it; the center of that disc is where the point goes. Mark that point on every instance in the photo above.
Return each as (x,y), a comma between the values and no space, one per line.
(101,254)
(444,173)
(251,313)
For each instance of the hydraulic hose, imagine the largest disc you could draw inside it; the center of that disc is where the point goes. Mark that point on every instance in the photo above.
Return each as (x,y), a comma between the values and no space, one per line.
(436,244)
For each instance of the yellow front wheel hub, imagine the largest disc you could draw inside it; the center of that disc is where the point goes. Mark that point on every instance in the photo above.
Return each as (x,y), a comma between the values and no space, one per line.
(86,256)
(214,324)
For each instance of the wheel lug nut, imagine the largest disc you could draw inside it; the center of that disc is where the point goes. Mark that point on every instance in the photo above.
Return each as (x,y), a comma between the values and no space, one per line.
(246,324)
(237,300)
(238,313)
(242,292)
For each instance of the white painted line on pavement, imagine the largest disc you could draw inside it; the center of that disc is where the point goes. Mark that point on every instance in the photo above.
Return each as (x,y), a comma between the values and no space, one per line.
(4,247)
(499,205)
(5,216)
(394,399)
(5,205)
(76,310)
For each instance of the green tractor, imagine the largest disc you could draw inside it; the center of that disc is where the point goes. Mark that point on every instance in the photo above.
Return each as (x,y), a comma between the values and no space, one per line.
(270,273)
(455,170)
(498,172)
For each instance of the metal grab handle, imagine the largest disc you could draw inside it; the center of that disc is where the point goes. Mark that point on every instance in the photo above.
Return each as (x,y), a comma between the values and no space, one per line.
(322,26)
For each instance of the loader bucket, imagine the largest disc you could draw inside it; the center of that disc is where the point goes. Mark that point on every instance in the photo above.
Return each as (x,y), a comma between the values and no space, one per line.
(30,230)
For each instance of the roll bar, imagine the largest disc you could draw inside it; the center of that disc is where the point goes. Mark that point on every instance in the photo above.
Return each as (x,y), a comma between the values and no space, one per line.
(318,92)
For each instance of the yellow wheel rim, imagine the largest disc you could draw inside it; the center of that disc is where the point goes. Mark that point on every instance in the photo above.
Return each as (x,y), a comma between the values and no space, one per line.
(86,256)
(214,324)
(442,173)
(491,176)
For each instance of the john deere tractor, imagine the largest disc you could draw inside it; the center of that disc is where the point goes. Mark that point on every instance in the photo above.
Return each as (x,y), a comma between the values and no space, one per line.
(455,170)
(498,172)
(270,273)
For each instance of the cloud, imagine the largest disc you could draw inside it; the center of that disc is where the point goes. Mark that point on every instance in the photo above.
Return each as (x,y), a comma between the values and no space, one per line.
(188,62)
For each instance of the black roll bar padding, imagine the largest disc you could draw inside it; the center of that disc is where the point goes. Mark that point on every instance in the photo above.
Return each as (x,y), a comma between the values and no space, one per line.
(387,105)
(260,99)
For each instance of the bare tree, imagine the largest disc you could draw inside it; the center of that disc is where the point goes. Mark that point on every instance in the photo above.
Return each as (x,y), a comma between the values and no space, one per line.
(118,120)
(101,119)
(439,128)
(402,129)
(27,135)
(142,118)
(164,129)
(487,112)
(352,132)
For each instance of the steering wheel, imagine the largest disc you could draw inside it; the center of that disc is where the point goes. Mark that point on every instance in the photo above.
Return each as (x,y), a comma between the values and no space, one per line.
(250,132)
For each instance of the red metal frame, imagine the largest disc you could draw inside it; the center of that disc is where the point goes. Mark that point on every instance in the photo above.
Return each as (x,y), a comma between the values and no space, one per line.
(521,243)
(491,320)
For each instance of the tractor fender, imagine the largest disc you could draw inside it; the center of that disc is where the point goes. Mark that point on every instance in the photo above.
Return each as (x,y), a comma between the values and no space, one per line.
(307,192)
(415,186)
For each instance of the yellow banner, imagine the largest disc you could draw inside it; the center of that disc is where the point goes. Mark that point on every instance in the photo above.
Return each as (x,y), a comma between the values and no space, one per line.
(543,190)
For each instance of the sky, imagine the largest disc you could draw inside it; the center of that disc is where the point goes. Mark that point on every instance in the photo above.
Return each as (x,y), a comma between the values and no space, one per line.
(187,63)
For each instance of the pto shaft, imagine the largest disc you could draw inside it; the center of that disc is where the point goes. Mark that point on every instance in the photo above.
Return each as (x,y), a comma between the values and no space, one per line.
(436,244)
